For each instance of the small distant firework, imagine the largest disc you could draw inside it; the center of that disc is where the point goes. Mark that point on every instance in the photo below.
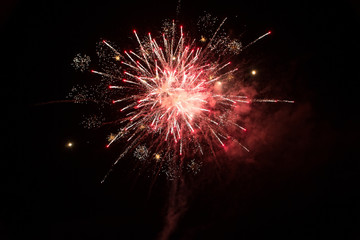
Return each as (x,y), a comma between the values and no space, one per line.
(80,62)
(141,152)
(79,94)
(167,95)
(234,46)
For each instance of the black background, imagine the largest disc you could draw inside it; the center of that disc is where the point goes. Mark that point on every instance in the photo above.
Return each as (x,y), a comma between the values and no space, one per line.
(303,186)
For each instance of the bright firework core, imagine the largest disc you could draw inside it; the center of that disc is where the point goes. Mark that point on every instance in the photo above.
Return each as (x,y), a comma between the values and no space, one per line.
(181,100)
(181,93)
(174,88)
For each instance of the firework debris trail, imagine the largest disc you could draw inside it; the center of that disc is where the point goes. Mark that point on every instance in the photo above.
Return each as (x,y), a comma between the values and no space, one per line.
(262,36)
(176,207)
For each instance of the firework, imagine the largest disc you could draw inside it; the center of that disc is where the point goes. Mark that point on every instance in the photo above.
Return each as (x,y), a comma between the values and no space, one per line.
(80,62)
(168,96)
(141,152)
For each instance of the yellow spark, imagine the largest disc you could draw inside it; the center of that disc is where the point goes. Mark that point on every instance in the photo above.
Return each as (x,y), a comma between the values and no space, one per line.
(142,126)
(157,157)
(69,144)
(111,137)
(202,39)
(117,58)
(253,72)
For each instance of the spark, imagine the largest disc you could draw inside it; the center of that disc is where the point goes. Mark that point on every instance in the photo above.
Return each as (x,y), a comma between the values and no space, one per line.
(111,137)
(157,156)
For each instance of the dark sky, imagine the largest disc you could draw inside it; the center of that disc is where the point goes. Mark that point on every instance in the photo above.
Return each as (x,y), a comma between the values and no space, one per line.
(298,183)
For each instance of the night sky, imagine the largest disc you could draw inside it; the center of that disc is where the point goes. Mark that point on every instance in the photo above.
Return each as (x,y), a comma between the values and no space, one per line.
(297,183)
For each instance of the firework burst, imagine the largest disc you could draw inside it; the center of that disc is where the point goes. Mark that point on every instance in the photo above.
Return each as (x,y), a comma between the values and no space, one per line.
(169,96)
